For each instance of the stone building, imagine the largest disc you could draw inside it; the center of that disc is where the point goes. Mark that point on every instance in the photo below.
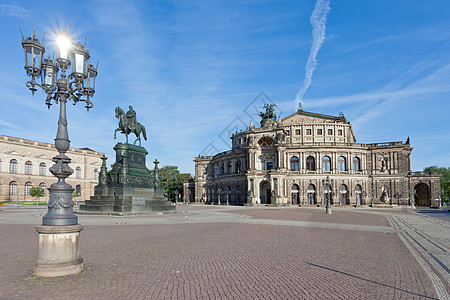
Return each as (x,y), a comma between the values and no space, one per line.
(287,162)
(25,163)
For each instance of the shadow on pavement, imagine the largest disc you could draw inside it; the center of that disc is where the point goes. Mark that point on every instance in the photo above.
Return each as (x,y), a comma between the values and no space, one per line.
(371,281)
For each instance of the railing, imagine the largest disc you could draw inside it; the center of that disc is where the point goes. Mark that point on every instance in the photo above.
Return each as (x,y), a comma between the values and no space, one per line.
(421,173)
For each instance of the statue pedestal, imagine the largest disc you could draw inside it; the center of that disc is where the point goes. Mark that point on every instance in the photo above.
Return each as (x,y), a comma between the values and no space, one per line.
(59,251)
(129,188)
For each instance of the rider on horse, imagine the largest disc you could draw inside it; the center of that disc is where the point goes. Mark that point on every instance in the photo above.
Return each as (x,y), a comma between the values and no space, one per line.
(131,116)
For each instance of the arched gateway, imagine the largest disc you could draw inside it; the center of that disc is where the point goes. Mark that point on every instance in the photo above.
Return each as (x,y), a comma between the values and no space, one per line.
(265,194)
(422,195)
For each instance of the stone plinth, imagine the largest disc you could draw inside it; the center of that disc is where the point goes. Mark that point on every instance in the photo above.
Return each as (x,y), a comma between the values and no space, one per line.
(129,188)
(59,251)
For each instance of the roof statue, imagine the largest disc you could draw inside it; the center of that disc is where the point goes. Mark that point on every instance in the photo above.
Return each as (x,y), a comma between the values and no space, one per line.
(128,124)
(300,108)
(269,114)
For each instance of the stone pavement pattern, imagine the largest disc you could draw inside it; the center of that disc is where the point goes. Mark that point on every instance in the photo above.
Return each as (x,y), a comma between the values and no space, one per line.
(227,254)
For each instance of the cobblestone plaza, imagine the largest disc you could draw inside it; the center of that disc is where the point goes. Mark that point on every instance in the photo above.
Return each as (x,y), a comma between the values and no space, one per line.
(222,252)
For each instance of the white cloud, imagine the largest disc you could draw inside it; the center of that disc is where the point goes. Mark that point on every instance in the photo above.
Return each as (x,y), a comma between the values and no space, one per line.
(13,11)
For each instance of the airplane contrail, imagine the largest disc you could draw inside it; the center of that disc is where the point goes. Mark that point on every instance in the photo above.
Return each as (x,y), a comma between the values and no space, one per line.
(318,21)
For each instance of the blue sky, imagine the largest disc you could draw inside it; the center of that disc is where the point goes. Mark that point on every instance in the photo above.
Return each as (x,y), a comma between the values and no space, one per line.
(194,71)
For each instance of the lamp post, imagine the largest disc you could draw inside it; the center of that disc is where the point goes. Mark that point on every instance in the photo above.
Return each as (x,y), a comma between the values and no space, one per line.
(372,191)
(59,252)
(74,86)
(327,188)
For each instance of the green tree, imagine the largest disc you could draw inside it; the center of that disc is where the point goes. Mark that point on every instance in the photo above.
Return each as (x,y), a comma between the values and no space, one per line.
(172,181)
(445,181)
(37,192)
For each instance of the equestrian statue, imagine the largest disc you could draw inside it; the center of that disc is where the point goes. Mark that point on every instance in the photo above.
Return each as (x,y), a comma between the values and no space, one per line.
(128,124)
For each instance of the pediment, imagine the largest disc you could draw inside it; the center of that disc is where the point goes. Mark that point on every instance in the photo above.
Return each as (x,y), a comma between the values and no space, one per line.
(14,153)
(302,117)
(41,156)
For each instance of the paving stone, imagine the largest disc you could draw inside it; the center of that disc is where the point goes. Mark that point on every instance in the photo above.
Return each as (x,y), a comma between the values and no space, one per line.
(234,253)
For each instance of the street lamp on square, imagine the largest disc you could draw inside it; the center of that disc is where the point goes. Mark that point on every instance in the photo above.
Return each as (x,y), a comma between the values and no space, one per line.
(78,86)
(327,188)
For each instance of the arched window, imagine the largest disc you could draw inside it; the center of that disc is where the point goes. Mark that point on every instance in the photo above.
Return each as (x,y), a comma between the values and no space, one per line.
(238,167)
(78,172)
(95,174)
(43,185)
(310,163)
(28,167)
(341,164)
(13,188)
(78,190)
(28,186)
(294,163)
(326,164)
(42,169)
(356,164)
(311,194)
(13,166)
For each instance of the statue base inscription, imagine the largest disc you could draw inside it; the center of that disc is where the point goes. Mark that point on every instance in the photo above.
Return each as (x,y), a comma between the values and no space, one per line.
(129,187)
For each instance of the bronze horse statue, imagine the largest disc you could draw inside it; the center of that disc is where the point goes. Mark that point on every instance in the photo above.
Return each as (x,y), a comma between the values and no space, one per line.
(126,126)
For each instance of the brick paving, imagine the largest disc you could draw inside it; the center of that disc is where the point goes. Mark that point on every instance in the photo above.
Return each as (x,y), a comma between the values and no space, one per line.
(207,254)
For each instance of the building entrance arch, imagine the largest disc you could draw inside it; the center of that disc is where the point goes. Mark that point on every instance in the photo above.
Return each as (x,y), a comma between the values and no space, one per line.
(295,194)
(344,199)
(311,194)
(265,192)
(422,195)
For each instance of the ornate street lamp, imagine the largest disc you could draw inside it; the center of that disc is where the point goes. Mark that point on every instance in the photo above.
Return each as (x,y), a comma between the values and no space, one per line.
(78,85)
(327,188)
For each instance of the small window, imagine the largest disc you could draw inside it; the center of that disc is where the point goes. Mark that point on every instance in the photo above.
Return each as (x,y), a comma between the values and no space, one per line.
(269,165)
(308,131)
(297,131)
(13,166)
(78,172)
(28,167)
(319,131)
(330,131)
(339,131)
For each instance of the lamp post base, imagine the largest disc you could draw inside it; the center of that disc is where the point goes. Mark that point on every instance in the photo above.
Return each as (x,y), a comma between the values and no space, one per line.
(59,251)
(328,210)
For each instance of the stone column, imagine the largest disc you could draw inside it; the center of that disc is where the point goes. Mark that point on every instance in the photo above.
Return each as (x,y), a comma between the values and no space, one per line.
(59,251)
